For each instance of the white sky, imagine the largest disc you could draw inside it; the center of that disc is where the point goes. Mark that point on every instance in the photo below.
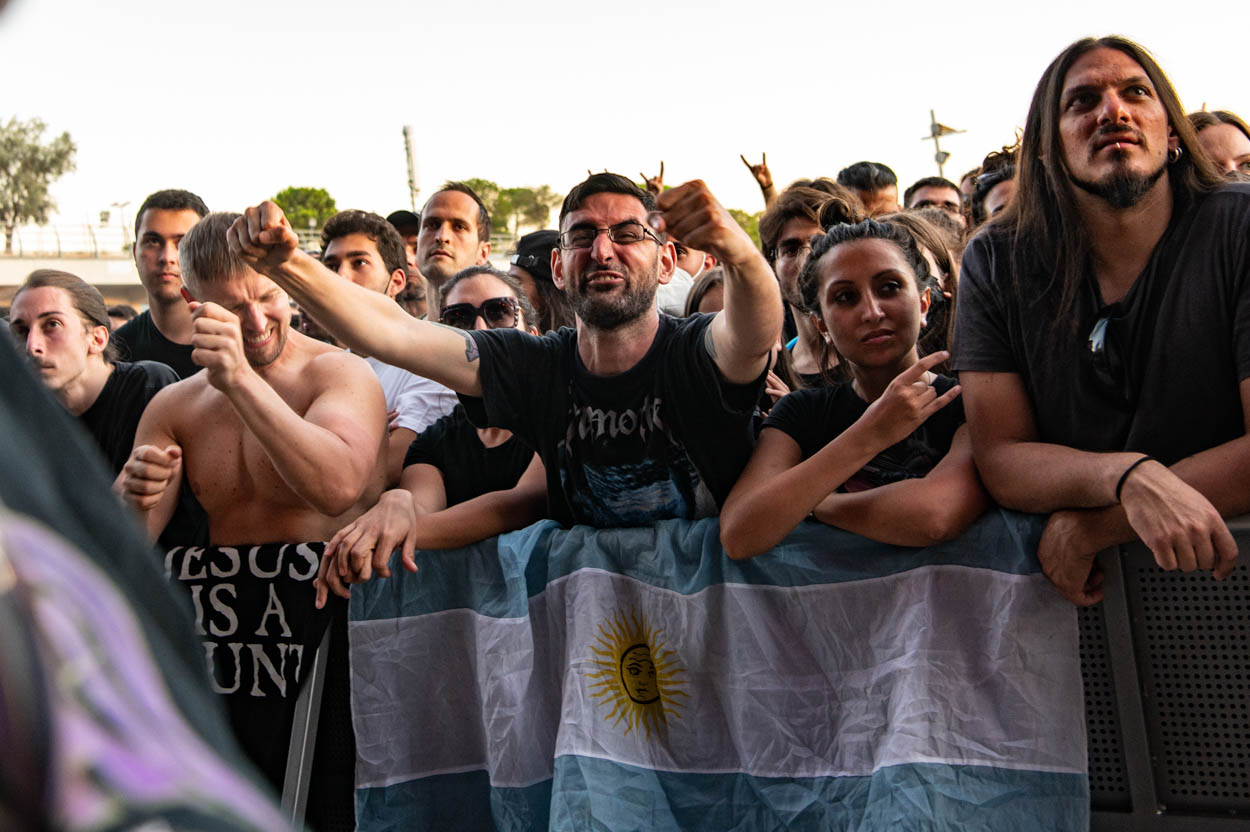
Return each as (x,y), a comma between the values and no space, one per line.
(238,99)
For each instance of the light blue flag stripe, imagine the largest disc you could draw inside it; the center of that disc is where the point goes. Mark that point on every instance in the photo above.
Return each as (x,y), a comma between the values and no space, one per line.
(677,555)
(593,793)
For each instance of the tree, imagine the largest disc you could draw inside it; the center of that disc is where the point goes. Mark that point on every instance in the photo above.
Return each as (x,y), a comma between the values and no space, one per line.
(488,192)
(750,222)
(27,168)
(526,206)
(306,207)
(511,208)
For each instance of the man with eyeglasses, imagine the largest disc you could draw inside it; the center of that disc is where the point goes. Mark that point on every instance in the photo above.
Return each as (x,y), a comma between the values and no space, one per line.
(935,192)
(637,416)
(369,251)
(1103,329)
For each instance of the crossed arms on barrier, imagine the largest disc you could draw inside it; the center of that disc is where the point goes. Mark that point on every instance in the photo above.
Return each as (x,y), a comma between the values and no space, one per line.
(1096,501)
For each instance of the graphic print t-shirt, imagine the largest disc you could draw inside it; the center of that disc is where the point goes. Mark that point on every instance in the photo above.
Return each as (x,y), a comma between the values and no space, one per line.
(814,417)
(666,438)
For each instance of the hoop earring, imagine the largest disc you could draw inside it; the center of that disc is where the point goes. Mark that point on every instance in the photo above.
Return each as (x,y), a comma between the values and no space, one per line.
(1174,154)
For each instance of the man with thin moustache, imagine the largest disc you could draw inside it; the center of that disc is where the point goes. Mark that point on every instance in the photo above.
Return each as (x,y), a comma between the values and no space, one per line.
(163,332)
(455,234)
(367,250)
(282,438)
(1103,335)
(637,416)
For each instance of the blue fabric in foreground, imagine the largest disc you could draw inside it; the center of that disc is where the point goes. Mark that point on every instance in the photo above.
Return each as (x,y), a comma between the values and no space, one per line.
(600,794)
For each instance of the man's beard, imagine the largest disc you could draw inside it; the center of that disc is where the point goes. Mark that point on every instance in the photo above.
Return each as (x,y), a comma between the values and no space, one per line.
(266,358)
(1122,188)
(610,311)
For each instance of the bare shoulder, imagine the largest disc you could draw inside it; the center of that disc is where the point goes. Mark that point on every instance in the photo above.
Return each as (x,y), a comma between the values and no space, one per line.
(181,396)
(330,364)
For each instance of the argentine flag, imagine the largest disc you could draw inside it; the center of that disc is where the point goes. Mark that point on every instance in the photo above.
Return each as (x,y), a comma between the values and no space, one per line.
(638,679)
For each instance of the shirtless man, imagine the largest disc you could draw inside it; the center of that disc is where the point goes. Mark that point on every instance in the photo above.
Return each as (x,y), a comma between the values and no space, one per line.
(258,432)
(283,440)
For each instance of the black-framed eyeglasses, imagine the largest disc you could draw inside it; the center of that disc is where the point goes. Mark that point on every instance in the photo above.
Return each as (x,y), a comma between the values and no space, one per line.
(623,233)
(499,313)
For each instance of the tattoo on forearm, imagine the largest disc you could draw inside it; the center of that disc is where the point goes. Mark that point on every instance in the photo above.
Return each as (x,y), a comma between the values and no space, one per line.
(470,346)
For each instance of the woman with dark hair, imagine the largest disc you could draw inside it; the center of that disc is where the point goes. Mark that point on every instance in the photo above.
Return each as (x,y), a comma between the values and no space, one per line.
(885,455)
(1225,138)
(531,265)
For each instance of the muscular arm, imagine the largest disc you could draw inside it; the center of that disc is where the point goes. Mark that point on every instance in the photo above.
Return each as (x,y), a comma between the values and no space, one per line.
(369,322)
(327,455)
(150,458)
(914,512)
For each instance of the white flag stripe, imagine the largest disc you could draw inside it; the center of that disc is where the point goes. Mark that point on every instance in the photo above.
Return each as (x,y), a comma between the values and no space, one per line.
(942,664)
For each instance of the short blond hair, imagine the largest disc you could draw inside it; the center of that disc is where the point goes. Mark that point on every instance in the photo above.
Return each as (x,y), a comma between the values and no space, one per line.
(204,255)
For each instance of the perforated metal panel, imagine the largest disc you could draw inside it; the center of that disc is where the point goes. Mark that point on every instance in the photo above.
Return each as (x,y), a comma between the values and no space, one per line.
(1193,651)
(1108,782)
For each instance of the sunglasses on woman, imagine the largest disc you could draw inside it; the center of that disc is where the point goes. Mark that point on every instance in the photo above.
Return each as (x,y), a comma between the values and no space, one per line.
(499,313)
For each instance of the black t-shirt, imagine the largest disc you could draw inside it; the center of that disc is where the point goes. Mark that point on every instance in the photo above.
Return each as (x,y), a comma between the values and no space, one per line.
(254,612)
(666,438)
(469,468)
(112,420)
(816,416)
(1181,335)
(139,340)
(114,415)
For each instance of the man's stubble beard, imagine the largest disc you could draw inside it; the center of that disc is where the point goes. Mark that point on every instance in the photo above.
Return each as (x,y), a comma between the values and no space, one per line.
(1122,188)
(613,312)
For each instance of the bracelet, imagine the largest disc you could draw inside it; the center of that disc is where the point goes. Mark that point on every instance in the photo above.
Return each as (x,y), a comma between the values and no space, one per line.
(1119,486)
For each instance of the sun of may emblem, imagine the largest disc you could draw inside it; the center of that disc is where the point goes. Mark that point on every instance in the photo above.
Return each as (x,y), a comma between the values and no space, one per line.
(635,673)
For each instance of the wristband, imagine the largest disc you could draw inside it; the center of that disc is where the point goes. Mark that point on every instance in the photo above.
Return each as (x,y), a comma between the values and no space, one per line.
(1119,486)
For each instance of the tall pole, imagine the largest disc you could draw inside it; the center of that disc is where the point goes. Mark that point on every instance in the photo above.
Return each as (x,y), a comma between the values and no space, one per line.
(938,155)
(412,167)
(936,131)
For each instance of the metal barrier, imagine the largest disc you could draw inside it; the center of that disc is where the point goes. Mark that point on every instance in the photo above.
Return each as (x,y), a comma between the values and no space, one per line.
(1166,661)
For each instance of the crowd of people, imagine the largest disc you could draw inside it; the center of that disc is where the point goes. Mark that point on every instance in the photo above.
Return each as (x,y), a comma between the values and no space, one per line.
(1063,331)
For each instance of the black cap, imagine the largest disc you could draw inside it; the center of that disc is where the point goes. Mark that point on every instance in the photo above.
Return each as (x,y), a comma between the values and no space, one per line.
(404,219)
(533,253)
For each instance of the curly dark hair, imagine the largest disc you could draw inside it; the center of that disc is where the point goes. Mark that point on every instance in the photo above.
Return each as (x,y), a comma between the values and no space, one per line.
(390,244)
